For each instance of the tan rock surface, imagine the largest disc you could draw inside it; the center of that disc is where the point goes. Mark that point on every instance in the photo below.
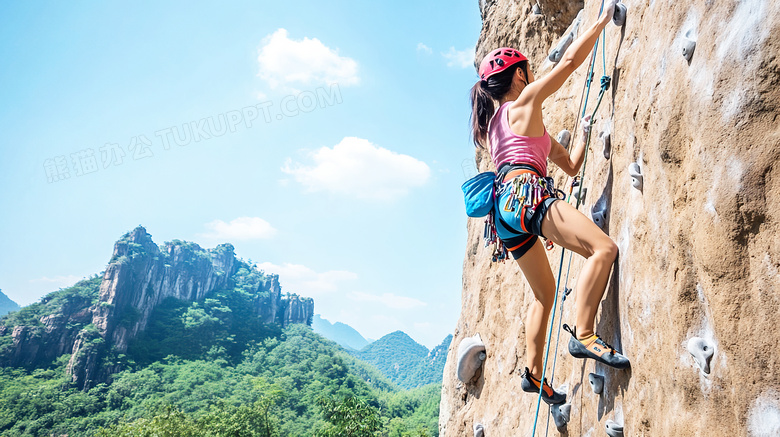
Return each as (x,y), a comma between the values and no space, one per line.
(698,245)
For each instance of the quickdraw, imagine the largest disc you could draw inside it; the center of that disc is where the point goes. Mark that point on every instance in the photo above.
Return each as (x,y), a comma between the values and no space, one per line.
(490,235)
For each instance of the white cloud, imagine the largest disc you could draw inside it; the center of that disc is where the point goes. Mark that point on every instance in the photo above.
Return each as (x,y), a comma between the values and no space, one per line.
(307,62)
(459,58)
(299,279)
(423,48)
(389,300)
(357,167)
(61,281)
(242,228)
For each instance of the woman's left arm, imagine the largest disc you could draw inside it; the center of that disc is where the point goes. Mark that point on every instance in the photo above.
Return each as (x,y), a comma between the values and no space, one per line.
(569,163)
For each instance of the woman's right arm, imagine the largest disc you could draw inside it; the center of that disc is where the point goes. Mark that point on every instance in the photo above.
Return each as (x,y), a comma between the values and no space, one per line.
(537,91)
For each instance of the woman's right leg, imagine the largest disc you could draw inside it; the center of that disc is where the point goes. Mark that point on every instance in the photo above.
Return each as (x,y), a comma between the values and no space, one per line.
(569,228)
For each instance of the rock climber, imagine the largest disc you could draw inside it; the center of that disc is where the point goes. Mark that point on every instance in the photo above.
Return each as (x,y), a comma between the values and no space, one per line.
(526,205)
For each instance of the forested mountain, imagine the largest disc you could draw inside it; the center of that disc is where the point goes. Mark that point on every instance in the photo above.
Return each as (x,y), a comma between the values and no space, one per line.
(6,304)
(284,385)
(96,320)
(181,341)
(404,361)
(341,333)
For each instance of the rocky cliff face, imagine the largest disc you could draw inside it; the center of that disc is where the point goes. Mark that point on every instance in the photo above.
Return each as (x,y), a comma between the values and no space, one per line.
(48,337)
(139,277)
(296,309)
(698,253)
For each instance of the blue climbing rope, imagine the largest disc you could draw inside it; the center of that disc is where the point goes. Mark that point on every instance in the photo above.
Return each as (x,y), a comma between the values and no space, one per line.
(605,82)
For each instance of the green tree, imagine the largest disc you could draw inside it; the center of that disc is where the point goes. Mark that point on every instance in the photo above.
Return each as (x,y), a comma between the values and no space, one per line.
(171,422)
(350,417)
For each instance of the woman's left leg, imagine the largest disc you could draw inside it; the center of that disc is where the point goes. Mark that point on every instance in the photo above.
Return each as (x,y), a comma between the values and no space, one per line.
(536,269)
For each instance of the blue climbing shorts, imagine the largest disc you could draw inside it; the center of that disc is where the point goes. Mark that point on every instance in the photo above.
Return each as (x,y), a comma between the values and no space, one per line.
(522,200)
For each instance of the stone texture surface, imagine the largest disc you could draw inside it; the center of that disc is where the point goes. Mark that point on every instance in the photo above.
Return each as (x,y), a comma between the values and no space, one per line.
(698,245)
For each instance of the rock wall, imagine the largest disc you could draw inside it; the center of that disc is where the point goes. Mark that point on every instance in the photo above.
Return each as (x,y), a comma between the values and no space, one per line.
(698,243)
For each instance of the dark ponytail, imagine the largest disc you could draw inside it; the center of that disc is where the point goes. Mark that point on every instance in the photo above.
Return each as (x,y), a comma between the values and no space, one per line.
(483,100)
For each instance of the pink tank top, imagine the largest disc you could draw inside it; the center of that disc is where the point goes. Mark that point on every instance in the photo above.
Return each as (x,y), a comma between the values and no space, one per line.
(506,147)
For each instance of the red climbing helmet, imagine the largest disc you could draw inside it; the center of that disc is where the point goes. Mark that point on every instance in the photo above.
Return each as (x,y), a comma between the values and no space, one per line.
(499,60)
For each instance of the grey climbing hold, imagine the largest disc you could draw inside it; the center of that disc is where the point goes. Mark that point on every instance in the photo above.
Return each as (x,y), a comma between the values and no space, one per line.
(599,216)
(636,176)
(580,193)
(564,137)
(596,383)
(689,46)
(479,430)
(613,429)
(606,140)
(619,16)
(702,351)
(536,9)
(557,53)
(561,414)
(565,410)
(471,354)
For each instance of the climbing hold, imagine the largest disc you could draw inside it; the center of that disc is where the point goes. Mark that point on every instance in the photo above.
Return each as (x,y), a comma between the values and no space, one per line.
(613,429)
(619,16)
(599,215)
(576,193)
(688,47)
(702,351)
(471,354)
(596,383)
(479,430)
(536,9)
(565,410)
(561,414)
(557,53)
(606,140)
(564,137)
(636,175)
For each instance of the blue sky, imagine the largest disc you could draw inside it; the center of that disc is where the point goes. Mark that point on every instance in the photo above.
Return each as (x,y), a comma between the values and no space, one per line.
(327,143)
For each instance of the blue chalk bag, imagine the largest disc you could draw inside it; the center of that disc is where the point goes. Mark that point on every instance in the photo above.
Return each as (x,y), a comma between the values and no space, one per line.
(479,194)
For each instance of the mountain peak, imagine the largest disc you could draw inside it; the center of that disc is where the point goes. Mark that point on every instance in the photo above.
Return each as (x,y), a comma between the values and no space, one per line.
(7,305)
(341,333)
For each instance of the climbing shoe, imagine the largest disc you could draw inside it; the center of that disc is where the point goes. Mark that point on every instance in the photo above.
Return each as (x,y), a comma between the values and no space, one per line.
(531,385)
(596,348)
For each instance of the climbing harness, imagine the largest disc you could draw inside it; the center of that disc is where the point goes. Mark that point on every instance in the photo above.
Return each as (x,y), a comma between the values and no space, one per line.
(521,194)
(526,191)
